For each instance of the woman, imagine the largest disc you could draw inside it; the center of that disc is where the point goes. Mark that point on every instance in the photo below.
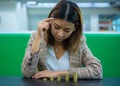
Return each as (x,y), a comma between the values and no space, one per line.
(59,47)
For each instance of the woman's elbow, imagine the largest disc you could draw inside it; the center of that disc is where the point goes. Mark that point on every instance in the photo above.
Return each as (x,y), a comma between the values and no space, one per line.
(99,76)
(27,74)
(98,73)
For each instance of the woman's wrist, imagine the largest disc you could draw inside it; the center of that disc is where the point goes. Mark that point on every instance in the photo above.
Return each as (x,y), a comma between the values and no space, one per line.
(38,36)
(62,73)
(35,45)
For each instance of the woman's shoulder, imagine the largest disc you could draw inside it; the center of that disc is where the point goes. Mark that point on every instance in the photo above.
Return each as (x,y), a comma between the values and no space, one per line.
(32,37)
(83,39)
(33,34)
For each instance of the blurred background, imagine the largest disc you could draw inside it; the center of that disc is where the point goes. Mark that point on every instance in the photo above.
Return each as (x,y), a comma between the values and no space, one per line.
(24,15)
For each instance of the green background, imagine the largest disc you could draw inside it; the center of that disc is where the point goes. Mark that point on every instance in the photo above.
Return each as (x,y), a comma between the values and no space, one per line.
(106,47)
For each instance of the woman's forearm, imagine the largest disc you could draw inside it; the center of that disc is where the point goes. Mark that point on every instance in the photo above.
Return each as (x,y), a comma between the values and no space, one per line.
(36,43)
(63,73)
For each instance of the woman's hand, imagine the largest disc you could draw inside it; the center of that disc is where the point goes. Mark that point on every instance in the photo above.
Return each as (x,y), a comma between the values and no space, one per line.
(43,26)
(46,73)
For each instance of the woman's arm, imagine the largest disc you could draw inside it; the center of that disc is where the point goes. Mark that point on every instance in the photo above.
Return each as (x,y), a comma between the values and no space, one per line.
(37,41)
(92,66)
(30,61)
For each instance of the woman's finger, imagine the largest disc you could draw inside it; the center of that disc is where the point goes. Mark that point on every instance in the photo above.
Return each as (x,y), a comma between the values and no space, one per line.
(38,74)
(45,73)
(48,19)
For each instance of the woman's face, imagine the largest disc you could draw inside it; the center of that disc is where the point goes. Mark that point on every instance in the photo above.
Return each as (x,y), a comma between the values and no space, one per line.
(61,29)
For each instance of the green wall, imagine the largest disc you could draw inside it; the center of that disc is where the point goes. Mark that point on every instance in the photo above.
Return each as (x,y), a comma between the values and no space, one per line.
(12,48)
(104,46)
(107,48)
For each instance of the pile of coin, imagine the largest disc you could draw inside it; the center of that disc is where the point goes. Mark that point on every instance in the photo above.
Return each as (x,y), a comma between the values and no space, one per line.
(66,78)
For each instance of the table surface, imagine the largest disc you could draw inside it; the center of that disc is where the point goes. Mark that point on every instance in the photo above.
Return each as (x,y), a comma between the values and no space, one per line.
(20,81)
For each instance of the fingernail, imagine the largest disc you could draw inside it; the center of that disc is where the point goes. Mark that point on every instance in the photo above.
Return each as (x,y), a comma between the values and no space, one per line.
(52,18)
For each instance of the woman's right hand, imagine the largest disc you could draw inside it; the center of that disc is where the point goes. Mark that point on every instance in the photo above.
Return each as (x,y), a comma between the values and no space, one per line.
(43,26)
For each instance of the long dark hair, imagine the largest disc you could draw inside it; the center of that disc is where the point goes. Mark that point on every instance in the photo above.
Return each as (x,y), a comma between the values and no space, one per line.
(70,12)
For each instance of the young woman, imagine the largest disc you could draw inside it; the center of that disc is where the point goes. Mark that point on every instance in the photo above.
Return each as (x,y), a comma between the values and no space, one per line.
(58,47)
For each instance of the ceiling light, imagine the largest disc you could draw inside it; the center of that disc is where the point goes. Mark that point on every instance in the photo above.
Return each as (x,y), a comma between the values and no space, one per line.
(31,3)
(101,5)
(84,4)
(46,5)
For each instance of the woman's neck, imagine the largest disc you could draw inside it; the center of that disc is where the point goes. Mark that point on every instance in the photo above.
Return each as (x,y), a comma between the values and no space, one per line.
(58,44)
(58,49)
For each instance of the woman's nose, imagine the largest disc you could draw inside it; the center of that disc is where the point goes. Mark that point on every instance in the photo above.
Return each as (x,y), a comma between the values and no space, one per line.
(60,33)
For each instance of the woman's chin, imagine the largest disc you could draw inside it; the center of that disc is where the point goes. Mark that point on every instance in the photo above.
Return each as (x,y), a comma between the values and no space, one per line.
(58,40)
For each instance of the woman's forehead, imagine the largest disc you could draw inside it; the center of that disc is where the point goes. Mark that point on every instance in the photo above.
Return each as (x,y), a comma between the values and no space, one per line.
(63,23)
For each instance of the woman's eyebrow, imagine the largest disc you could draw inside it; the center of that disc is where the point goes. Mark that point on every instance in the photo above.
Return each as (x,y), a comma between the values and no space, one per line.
(60,26)
(57,24)
(68,28)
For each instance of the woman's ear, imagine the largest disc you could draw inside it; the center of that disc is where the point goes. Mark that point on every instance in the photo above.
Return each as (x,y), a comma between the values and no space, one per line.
(74,29)
(76,26)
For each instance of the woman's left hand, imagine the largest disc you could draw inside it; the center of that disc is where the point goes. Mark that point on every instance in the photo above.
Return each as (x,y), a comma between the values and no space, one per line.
(46,73)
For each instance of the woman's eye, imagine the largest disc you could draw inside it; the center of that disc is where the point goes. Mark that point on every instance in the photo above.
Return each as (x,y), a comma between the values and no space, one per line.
(57,28)
(67,31)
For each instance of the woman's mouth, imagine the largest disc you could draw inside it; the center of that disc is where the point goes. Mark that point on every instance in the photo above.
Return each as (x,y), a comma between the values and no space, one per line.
(58,39)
